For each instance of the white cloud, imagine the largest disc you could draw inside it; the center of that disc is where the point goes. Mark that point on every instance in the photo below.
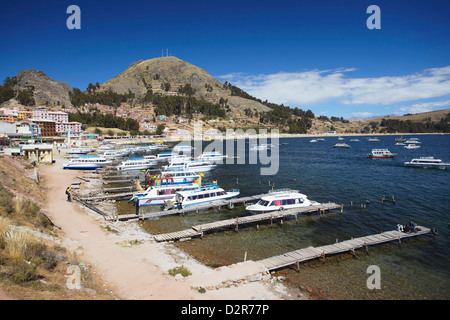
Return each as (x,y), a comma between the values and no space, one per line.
(363,114)
(314,86)
(424,107)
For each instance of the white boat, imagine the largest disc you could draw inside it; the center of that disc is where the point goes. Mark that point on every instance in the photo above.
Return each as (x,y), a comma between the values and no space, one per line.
(180,176)
(354,140)
(258,147)
(373,139)
(427,162)
(178,158)
(399,144)
(144,149)
(182,148)
(160,194)
(341,145)
(150,157)
(205,194)
(87,163)
(340,138)
(214,156)
(136,164)
(104,147)
(412,146)
(381,153)
(192,166)
(281,199)
(313,140)
(116,153)
(164,156)
(413,141)
(81,150)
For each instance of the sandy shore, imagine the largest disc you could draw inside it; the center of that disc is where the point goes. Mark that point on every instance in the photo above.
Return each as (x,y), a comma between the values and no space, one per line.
(141,271)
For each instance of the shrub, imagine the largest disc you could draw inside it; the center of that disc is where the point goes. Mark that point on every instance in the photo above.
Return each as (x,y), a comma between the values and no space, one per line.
(180,270)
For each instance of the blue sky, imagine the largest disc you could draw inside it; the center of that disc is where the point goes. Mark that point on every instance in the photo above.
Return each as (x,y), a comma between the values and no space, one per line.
(316,55)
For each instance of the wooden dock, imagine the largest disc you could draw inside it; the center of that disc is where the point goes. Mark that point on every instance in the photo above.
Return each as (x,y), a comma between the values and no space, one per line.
(199,230)
(310,253)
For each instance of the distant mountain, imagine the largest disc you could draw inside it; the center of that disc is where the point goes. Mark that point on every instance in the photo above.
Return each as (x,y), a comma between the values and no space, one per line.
(352,119)
(168,74)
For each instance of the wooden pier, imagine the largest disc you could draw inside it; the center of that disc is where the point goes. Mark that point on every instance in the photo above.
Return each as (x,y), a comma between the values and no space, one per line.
(199,230)
(298,256)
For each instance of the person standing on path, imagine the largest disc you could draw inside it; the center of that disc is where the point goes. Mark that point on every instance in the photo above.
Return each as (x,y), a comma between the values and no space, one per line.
(69,194)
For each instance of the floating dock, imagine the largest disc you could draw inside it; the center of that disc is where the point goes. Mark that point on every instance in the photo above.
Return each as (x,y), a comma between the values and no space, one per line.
(199,230)
(298,256)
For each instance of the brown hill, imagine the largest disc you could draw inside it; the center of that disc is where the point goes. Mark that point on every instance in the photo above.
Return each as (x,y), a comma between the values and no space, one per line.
(46,90)
(158,72)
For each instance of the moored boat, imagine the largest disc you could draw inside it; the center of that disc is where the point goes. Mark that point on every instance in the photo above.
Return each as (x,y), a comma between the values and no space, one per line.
(381,153)
(282,199)
(205,194)
(136,164)
(341,145)
(87,163)
(412,146)
(427,162)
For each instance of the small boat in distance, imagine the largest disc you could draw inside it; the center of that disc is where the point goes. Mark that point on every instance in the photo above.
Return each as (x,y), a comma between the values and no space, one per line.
(341,145)
(401,139)
(354,140)
(427,162)
(214,156)
(373,139)
(313,140)
(381,153)
(281,199)
(412,146)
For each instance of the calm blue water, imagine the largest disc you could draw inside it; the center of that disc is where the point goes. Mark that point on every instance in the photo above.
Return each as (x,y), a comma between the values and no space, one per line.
(416,269)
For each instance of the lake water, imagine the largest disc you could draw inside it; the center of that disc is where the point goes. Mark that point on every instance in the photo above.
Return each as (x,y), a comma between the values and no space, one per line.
(416,269)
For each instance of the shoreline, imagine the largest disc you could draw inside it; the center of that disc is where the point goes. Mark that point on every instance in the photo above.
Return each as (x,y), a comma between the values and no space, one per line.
(134,267)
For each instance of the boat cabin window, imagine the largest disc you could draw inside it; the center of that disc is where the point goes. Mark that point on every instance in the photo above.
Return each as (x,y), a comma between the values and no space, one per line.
(263,203)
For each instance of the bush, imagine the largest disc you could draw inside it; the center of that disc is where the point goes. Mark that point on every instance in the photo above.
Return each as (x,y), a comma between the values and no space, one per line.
(180,270)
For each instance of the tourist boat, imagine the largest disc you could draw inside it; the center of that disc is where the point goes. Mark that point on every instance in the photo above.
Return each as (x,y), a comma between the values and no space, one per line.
(401,139)
(427,162)
(341,145)
(164,156)
(281,199)
(214,156)
(144,149)
(150,157)
(413,141)
(373,139)
(180,176)
(178,158)
(160,194)
(104,147)
(81,150)
(87,163)
(412,146)
(116,153)
(192,166)
(381,153)
(258,147)
(183,148)
(204,194)
(136,164)
(399,144)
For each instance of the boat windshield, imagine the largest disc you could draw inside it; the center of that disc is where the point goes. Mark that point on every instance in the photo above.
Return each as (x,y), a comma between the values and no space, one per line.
(263,203)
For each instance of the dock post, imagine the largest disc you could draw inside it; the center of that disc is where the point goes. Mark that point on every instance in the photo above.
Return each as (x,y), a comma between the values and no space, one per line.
(382,199)
(237,224)
(296,220)
(367,248)
(342,208)
(245,256)
(323,256)
(201,232)
(270,220)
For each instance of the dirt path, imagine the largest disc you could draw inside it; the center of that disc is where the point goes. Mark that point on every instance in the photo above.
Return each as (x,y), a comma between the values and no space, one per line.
(140,271)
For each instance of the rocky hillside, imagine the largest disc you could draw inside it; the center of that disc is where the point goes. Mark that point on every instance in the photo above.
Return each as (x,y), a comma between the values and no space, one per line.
(167,75)
(46,91)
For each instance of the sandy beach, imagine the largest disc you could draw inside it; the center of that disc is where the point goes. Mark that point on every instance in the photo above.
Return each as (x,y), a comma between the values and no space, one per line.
(135,272)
